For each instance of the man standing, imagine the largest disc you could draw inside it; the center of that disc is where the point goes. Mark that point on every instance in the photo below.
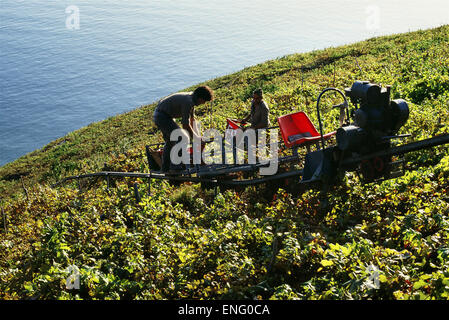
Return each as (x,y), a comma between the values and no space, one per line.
(179,105)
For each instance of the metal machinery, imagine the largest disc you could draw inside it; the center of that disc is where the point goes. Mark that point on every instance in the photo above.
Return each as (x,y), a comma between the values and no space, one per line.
(363,145)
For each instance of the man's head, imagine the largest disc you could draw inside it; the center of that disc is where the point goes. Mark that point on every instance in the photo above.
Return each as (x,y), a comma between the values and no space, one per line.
(203,94)
(257,95)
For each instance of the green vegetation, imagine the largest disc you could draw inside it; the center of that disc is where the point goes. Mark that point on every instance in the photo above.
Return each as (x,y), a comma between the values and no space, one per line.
(185,242)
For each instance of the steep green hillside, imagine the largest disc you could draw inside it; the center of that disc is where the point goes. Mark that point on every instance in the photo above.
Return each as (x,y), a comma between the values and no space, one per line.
(184,242)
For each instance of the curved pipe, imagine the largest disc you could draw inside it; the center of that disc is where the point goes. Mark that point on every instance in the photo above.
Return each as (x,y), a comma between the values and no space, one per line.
(318,109)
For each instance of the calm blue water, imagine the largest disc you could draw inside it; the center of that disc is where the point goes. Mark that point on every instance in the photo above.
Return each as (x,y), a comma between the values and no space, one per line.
(125,54)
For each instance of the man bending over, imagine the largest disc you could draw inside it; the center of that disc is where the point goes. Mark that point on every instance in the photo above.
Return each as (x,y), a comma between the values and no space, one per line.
(179,105)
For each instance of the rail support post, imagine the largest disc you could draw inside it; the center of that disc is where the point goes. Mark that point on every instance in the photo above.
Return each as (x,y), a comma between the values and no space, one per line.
(108,183)
(223,153)
(136,192)
(5,226)
(24,188)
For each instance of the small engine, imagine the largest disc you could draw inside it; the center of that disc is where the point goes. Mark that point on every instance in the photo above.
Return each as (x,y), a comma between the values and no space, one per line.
(376,120)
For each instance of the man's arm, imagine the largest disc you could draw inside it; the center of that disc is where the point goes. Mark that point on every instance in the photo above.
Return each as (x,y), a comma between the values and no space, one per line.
(246,119)
(191,128)
(187,122)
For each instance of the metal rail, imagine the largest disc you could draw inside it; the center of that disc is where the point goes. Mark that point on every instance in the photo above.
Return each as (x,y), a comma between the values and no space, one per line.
(214,182)
(108,174)
(406,148)
(284,175)
(208,174)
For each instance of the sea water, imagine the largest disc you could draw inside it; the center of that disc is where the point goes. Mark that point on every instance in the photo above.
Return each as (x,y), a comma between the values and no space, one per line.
(65,64)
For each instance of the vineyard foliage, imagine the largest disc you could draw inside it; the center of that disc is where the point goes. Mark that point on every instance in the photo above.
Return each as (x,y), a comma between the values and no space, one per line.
(377,241)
